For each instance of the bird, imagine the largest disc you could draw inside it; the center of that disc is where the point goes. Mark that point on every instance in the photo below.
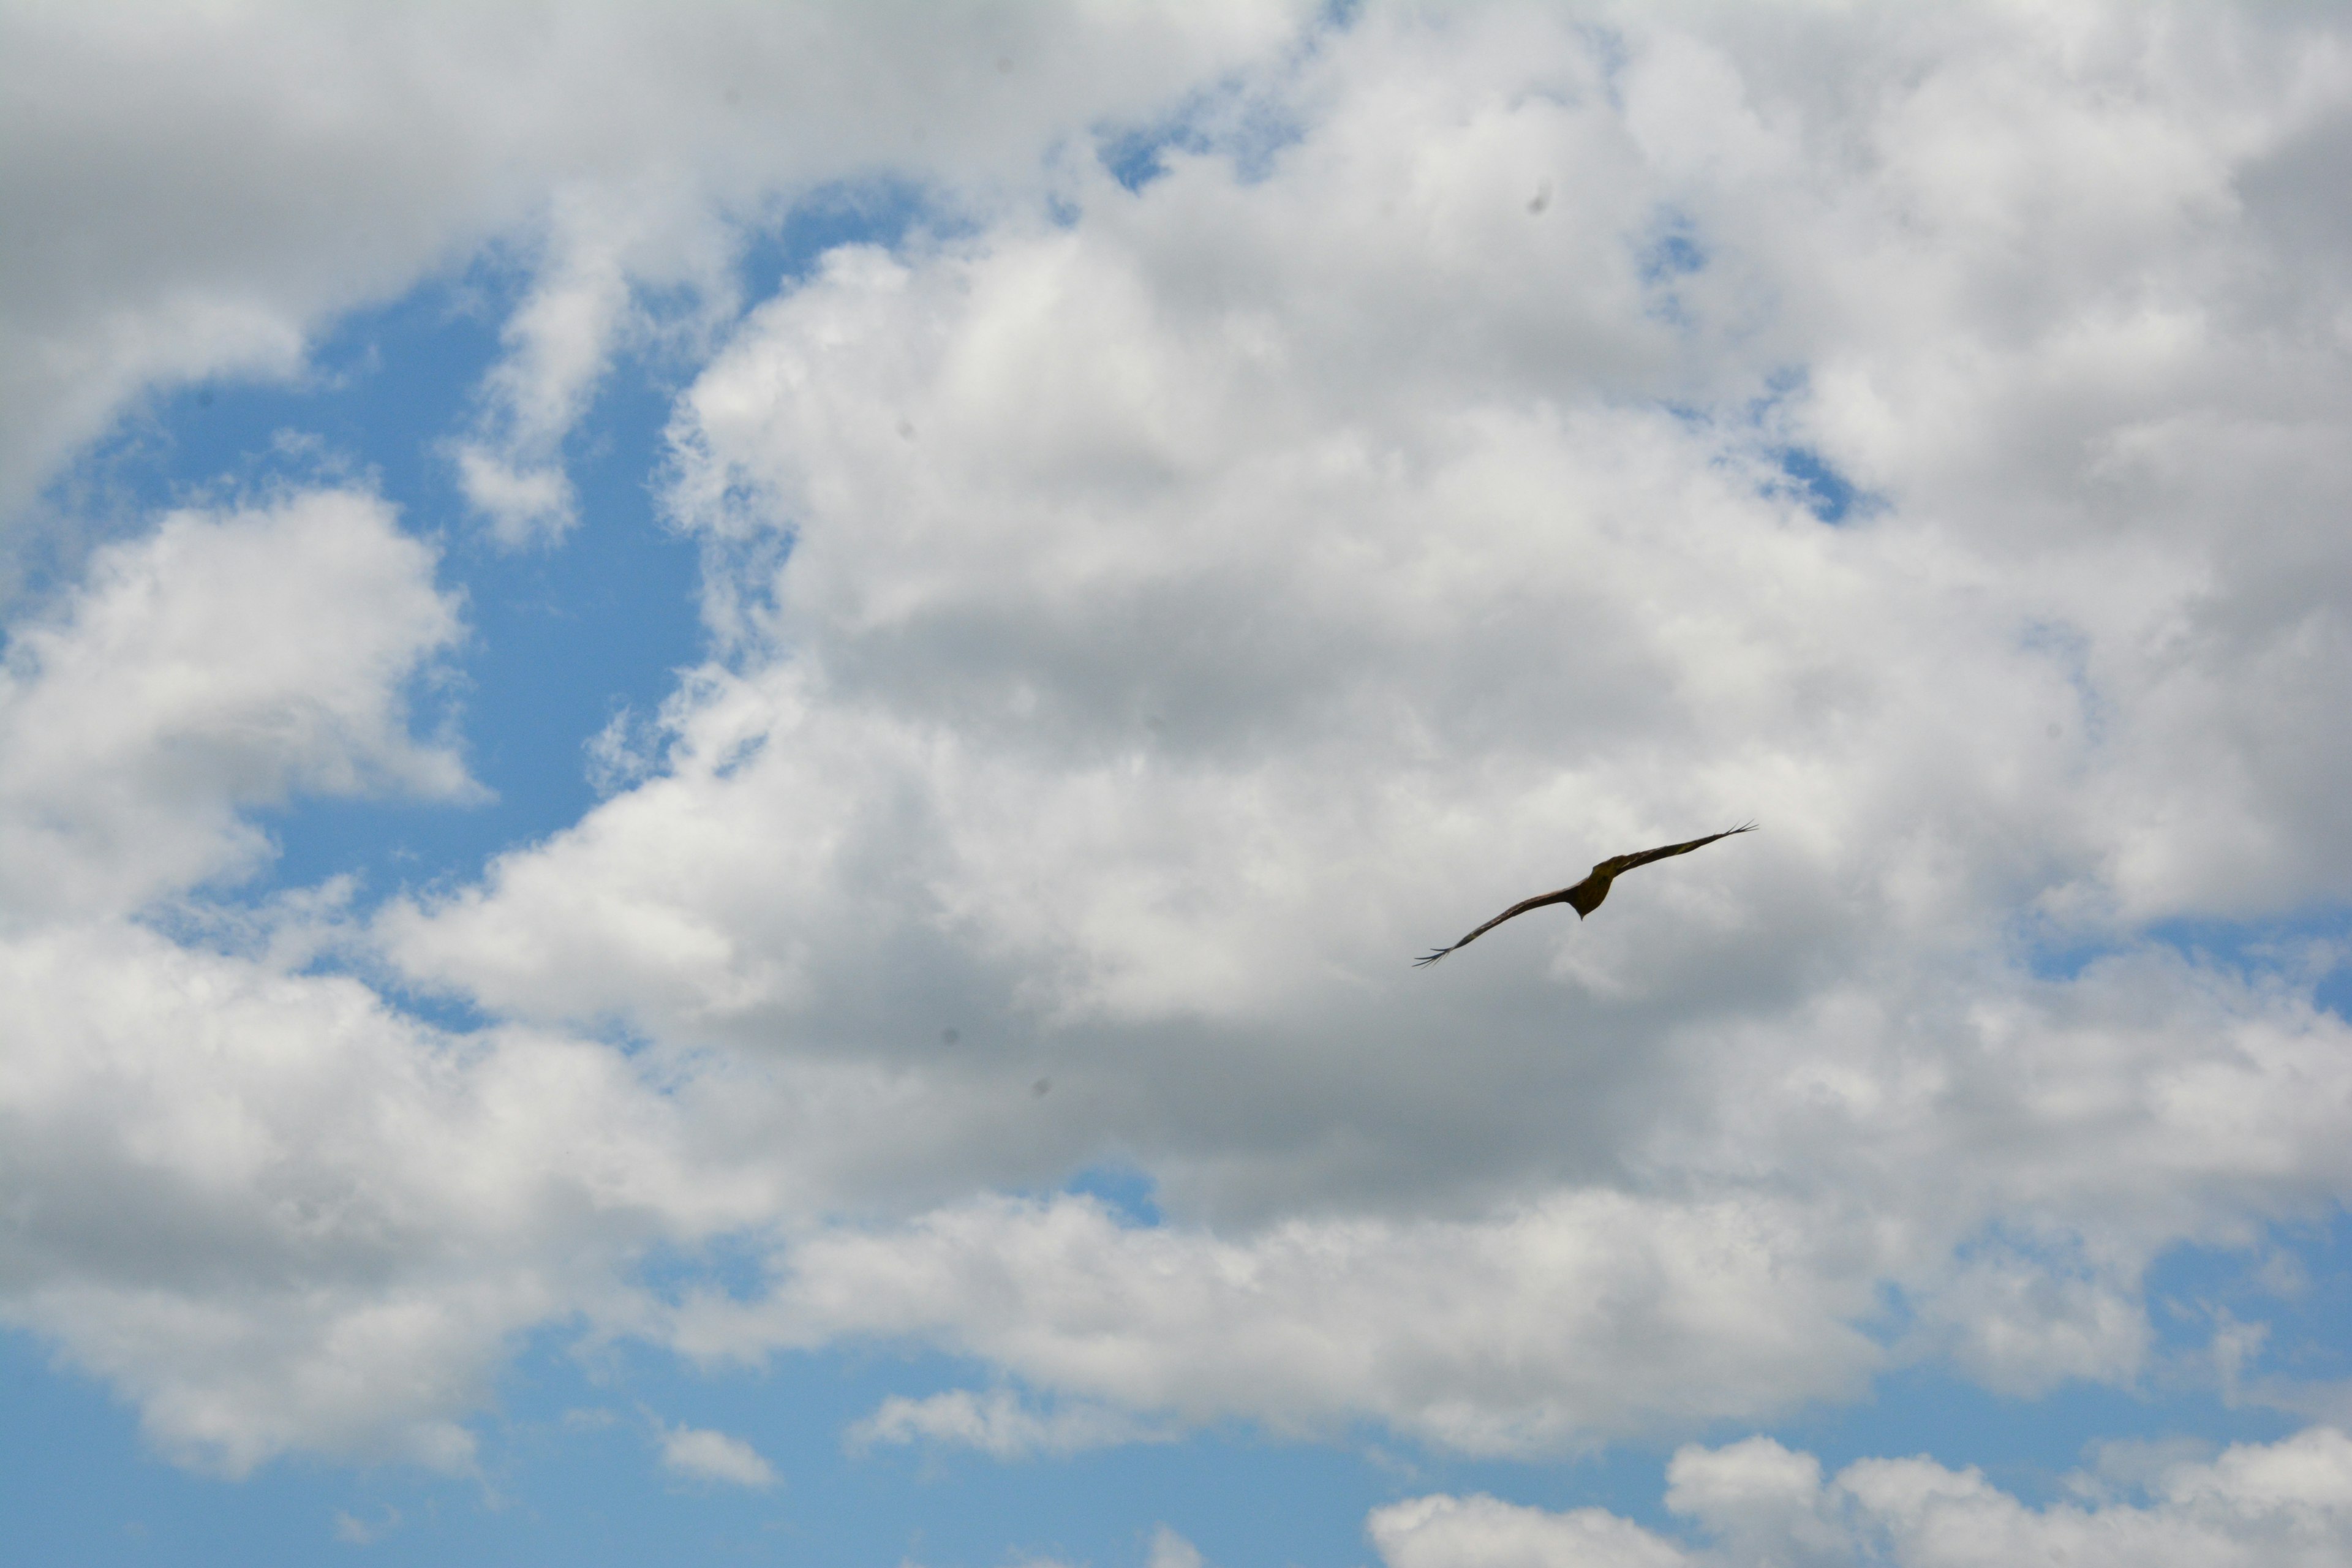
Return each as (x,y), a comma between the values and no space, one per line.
(1586,896)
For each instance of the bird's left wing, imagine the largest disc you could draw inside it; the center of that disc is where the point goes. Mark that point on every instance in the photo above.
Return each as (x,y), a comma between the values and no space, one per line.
(1538,902)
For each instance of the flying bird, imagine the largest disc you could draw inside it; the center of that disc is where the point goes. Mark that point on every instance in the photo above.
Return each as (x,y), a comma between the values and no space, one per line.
(1586,896)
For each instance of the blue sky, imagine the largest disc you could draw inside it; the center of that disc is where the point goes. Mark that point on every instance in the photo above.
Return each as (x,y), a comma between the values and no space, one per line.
(714,790)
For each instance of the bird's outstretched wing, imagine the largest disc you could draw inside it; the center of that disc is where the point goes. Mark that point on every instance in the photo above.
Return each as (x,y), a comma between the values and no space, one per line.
(1620,865)
(1521,908)
(1586,896)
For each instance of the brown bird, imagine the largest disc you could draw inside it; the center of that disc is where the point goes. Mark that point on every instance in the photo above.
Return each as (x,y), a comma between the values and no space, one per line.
(1586,896)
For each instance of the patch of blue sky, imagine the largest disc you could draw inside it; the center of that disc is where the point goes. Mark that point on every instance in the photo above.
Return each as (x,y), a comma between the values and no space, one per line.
(779,256)
(738,1266)
(570,1453)
(1797,469)
(1756,430)
(2068,649)
(560,640)
(2294,1280)
(77,1485)
(1800,474)
(2333,991)
(1249,132)
(1129,1193)
(1672,251)
(222,441)
(1136,156)
(2026,1446)
(1668,252)
(2310,948)
(1235,119)
(450,1012)
(1828,494)
(570,1472)
(2308,951)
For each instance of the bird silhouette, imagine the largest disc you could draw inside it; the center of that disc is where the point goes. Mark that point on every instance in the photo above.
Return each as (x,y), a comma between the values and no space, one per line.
(1586,896)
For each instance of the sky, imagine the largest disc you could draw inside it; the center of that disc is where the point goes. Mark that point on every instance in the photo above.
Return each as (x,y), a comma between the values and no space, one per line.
(724,730)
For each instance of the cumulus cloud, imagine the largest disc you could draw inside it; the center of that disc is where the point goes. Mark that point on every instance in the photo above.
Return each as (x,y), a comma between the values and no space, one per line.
(278,1214)
(272,1209)
(1595,1314)
(225,661)
(2286,1503)
(1458,1533)
(1194,605)
(703,1455)
(197,191)
(1144,617)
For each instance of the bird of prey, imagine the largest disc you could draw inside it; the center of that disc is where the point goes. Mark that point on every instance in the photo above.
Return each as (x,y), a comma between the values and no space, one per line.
(1586,896)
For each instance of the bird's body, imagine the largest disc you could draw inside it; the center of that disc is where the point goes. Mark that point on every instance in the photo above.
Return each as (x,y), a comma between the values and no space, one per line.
(1586,896)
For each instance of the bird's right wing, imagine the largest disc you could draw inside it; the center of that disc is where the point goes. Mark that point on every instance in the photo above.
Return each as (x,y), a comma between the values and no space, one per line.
(1538,902)
(1619,865)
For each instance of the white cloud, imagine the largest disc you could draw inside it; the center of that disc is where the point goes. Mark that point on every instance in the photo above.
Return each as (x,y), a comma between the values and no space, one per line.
(1481,1533)
(1169,1550)
(195,191)
(997,1424)
(1195,609)
(1200,599)
(273,1210)
(601,249)
(353,1531)
(2023,1324)
(2284,1504)
(1584,1315)
(225,661)
(703,1455)
(231,1186)
(523,504)
(281,1216)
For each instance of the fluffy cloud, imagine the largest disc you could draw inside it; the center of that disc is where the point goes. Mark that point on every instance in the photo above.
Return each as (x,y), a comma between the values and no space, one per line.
(278,1214)
(1458,1532)
(275,1211)
(195,189)
(2281,1504)
(227,660)
(704,1455)
(1145,617)
(1595,1314)
(1196,605)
